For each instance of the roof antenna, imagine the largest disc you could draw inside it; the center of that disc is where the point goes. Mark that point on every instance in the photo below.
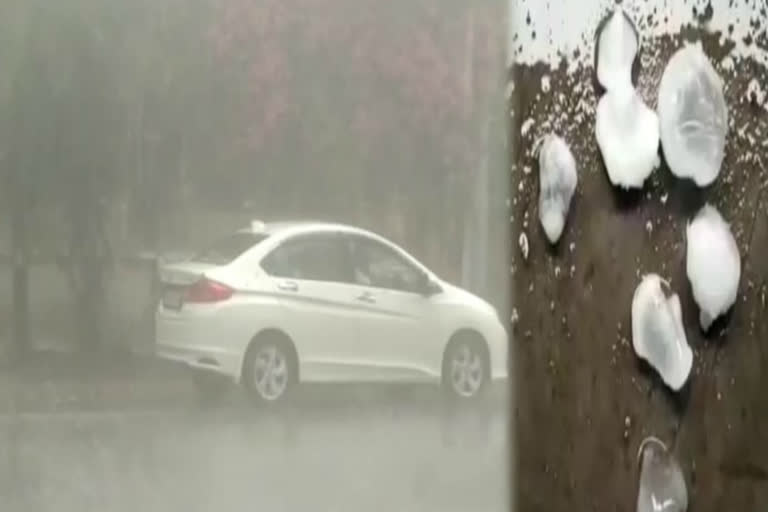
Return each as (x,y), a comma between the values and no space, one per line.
(257,226)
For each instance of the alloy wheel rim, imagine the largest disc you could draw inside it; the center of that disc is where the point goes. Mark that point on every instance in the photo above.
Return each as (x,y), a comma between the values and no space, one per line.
(466,371)
(270,373)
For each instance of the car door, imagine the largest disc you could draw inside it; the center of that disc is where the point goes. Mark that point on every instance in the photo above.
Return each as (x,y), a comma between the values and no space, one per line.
(399,329)
(312,278)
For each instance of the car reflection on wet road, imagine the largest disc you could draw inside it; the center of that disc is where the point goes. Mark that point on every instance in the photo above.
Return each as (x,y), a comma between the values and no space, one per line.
(388,457)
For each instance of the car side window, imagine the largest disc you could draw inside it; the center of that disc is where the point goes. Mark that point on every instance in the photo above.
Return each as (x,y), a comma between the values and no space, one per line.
(226,249)
(380,266)
(311,258)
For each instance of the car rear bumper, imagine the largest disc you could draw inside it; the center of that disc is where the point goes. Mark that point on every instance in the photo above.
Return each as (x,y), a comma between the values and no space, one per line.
(197,358)
(192,341)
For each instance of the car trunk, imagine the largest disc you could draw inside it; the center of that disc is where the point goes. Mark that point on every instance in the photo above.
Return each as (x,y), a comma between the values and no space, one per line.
(184,274)
(177,278)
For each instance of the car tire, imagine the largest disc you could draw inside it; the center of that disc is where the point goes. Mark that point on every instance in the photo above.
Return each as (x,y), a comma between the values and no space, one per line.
(466,367)
(269,369)
(210,386)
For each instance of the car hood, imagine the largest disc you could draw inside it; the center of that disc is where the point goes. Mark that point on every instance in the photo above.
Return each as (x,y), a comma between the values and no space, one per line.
(454,294)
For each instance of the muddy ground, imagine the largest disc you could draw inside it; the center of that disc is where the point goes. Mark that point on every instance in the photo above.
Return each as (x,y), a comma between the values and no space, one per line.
(584,400)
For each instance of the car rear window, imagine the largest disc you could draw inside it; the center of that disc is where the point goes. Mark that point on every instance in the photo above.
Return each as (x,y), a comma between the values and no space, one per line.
(227,248)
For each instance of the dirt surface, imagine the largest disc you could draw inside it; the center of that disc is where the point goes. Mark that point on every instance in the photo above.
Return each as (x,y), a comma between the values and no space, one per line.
(585,402)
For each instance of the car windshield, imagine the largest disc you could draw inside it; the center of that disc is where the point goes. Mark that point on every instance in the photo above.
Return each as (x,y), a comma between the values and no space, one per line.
(226,249)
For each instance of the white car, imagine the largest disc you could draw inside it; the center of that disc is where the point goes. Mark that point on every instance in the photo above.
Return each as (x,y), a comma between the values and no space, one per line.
(282,303)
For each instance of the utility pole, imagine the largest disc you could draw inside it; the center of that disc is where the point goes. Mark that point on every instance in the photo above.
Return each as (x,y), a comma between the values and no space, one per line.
(468,259)
(475,248)
(484,233)
(19,134)
(19,259)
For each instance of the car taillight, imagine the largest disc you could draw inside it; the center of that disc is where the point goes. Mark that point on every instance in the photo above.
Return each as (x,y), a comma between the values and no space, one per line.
(206,290)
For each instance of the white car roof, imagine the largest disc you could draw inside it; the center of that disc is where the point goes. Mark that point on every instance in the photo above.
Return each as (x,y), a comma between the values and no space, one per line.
(289,228)
(278,231)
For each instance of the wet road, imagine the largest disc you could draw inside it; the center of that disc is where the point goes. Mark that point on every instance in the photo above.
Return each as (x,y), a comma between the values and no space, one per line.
(419,455)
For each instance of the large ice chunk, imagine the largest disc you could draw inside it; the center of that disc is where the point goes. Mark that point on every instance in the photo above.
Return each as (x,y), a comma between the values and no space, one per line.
(693,116)
(662,485)
(617,47)
(713,264)
(557,183)
(658,335)
(627,133)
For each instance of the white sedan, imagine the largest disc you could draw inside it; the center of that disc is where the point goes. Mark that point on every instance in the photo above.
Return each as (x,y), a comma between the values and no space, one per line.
(279,304)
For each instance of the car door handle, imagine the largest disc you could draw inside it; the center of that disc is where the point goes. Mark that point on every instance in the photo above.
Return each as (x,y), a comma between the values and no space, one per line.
(288,286)
(367,297)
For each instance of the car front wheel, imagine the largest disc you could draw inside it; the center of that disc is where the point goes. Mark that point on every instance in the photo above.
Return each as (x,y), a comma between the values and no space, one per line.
(465,368)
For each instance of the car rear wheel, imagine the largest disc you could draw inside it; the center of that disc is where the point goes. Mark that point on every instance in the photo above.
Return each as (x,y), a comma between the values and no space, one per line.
(269,372)
(465,367)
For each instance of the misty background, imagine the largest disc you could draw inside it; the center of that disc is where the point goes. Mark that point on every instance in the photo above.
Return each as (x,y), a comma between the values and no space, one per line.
(137,130)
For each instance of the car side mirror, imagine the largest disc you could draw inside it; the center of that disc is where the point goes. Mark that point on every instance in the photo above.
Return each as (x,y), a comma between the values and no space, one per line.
(429,287)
